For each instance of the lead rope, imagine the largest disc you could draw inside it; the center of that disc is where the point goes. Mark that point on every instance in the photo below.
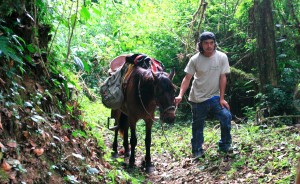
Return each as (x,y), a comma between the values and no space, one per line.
(161,124)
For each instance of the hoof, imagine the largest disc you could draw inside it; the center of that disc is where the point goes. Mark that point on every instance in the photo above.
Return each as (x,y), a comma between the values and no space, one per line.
(127,154)
(150,169)
(131,165)
(114,155)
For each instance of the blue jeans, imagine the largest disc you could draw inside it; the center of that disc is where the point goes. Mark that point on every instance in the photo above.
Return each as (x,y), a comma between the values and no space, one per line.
(200,111)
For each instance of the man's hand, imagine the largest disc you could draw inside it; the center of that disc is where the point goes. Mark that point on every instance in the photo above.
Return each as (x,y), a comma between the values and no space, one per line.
(177,100)
(223,103)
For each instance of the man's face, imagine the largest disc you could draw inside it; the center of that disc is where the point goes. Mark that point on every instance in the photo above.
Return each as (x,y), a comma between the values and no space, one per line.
(208,46)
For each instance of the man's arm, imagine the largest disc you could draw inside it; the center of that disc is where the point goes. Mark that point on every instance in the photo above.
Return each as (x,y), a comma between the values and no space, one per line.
(223,83)
(184,86)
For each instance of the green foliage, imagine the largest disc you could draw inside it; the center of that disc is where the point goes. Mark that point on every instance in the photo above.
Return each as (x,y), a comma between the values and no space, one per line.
(95,114)
(117,28)
(257,150)
(79,133)
(4,177)
(161,30)
(249,112)
(281,99)
(243,9)
(107,29)
(8,49)
(11,48)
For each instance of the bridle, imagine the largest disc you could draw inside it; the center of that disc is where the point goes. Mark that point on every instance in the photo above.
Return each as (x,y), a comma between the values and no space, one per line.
(163,111)
(171,107)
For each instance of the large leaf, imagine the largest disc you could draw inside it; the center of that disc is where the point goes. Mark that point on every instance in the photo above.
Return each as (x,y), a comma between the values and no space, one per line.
(7,49)
(78,62)
(85,14)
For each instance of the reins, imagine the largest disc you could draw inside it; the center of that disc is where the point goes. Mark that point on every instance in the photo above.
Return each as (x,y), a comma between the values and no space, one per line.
(140,97)
(161,124)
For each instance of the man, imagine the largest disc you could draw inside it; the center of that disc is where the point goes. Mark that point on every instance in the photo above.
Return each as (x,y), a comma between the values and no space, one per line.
(209,68)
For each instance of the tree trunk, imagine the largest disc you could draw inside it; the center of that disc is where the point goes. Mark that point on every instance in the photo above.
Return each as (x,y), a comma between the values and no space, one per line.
(265,38)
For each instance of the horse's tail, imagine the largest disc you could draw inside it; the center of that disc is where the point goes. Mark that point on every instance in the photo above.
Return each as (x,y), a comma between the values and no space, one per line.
(123,124)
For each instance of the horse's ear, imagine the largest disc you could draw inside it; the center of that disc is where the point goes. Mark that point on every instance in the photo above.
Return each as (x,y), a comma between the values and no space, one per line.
(172,74)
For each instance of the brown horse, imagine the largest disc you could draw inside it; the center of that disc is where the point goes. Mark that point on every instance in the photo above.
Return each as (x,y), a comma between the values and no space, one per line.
(144,92)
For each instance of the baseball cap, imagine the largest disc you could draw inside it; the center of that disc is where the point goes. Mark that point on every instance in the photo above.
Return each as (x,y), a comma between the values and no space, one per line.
(207,35)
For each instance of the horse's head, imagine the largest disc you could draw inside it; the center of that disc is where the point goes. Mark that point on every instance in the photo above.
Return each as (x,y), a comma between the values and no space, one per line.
(165,94)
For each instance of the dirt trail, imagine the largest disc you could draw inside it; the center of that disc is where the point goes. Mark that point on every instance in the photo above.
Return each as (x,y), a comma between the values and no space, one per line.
(167,169)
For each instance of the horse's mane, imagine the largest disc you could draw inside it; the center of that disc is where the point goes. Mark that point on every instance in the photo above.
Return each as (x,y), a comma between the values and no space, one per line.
(144,82)
(147,76)
(142,73)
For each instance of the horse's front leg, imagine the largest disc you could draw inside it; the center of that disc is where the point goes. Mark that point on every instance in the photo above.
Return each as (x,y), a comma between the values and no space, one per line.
(115,144)
(148,165)
(133,143)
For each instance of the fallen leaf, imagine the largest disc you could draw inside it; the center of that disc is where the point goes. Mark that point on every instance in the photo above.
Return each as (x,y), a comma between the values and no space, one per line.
(38,119)
(57,138)
(5,166)
(78,156)
(9,114)
(66,139)
(13,162)
(28,105)
(28,110)
(47,135)
(72,178)
(43,135)
(281,156)
(92,170)
(2,146)
(12,144)
(38,152)
(84,125)
(26,134)
(32,143)
(39,88)
(12,176)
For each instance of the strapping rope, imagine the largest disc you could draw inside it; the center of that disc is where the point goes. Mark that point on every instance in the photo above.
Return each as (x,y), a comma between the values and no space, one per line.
(162,127)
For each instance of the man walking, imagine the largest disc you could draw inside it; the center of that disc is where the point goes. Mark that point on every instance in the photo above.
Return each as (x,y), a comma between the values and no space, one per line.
(209,68)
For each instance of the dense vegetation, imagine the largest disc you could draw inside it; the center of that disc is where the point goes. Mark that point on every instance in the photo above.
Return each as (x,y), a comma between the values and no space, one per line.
(54,54)
(98,32)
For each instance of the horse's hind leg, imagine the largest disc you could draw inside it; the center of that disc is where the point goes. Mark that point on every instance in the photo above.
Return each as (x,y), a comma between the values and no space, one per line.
(133,143)
(116,115)
(124,126)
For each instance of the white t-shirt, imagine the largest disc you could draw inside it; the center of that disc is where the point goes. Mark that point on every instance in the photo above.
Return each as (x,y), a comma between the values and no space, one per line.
(206,71)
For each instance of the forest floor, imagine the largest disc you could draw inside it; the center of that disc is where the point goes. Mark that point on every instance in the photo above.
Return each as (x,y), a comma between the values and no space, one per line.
(41,147)
(185,170)
(168,169)
(44,150)
(254,162)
